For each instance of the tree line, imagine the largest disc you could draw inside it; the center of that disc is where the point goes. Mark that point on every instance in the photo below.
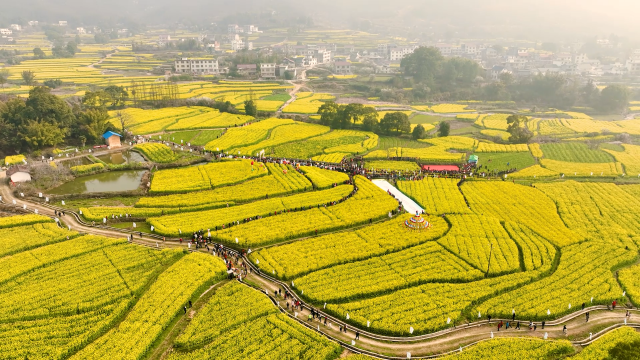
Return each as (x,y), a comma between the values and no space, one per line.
(432,77)
(46,120)
(340,116)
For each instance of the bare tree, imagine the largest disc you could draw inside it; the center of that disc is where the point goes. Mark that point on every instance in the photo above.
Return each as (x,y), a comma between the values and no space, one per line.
(124,119)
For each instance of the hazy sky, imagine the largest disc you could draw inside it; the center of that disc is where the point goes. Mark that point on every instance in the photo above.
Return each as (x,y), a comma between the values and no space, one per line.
(534,19)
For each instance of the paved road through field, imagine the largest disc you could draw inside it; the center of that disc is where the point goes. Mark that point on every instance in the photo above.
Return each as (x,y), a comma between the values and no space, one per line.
(409,205)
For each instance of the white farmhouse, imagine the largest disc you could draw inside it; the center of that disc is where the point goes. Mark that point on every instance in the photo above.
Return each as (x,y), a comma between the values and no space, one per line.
(197,66)
(342,68)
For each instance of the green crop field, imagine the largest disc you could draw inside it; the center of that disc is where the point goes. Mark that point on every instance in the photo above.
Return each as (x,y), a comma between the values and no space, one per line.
(574,152)
(505,161)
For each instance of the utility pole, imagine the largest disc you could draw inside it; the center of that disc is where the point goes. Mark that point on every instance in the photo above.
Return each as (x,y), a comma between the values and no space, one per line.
(489,265)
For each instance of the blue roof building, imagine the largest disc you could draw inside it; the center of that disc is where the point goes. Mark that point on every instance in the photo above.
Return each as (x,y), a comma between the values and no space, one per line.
(112,139)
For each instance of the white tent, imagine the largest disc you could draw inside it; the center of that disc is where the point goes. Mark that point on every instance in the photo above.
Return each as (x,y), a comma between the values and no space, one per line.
(20,177)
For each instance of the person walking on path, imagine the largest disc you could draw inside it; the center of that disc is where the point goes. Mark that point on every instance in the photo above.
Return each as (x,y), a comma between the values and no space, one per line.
(185,310)
(613,304)
(518,326)
(564,329)
(586,316)
(543,325)
(513,317)
(357,335)
(489,318)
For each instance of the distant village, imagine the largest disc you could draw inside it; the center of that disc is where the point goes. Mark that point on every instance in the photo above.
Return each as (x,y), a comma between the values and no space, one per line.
(378,57)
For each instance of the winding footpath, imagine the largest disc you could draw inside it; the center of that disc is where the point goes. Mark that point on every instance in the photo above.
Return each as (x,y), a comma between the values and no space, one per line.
(425,346)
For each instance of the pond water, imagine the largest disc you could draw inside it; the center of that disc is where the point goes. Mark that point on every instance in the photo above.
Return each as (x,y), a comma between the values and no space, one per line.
(112,181)
(75,162)
(121,157)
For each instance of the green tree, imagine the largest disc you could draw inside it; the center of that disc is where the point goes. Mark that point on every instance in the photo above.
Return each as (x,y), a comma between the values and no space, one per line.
(118,94)
(613,98)
(519,132)
(29,77)
(386,124)
(92,124)
(72,47)
(250,108)
(38,53)
(370,119)
(550,89)
(60,50)
(101,38)
(418,132)
(354,112)
(54,33)
(38,134)
(397,121)
(188,45)
(625,351)
(444,128)
(328,113)
(459,70)
(370,124)
(97,99)
(496,92)
(423,65)
(498,48)
(4,77)
(47,107)
(506,78)
(10,120)
(52,84)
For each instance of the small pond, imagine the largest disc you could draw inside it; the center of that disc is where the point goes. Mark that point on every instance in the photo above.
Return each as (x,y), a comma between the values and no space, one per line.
(75,162)
(113,181)
(118,158)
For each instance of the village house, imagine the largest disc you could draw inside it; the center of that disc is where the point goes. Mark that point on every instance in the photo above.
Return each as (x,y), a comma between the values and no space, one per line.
(237,45)
(112,139)
(247,69)
(197,66)
(268,70)
(342,68)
